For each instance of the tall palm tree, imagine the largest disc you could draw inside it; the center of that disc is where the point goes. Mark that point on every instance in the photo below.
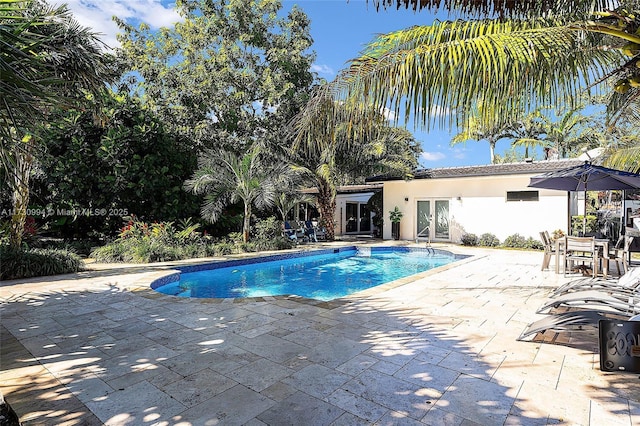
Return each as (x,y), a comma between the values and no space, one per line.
(529,131)
(226,178)
(333,149)
(47,60)
(571,132)
(476,129)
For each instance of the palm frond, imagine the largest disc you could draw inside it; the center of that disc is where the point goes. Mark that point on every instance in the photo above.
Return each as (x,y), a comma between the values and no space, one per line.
(509,66)
(625,159)
(504,8)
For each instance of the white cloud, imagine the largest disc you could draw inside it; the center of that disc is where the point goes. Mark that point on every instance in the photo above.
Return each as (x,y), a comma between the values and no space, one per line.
(388,114)
(437,111)
(322,69)
(459,153)
(97,14)
(432,156)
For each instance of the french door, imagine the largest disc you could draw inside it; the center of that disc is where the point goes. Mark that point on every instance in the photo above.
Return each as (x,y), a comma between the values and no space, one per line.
(432,219)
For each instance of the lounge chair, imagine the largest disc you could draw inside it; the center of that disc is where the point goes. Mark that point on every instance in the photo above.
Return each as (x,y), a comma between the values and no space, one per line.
(578,320)
(630,280)
(620,301)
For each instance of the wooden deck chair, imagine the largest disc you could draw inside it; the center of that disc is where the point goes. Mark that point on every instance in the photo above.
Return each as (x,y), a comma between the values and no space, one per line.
(581,250)
(620,254)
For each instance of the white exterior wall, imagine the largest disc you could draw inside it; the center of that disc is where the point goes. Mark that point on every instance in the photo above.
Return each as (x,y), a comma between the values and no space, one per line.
(340,215)
(478,205)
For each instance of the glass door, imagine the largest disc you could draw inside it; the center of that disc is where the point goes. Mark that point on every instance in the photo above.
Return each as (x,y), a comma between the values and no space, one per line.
(365,218)
(432,219)
(352,217)
(442,219)
(424,219)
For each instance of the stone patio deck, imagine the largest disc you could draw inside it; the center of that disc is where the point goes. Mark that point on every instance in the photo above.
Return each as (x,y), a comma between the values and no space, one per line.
(100,348)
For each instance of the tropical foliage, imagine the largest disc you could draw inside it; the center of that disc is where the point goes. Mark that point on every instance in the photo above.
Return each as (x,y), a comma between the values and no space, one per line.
(144,242)
(47,61)
(125,163)
(26,263)
(509,59)
(230,72)
(225,178)
(338,153)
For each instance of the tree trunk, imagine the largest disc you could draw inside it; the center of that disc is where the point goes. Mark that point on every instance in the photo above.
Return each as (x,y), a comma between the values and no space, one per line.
(327,205)
(21,174)
(492,150)
(246,224)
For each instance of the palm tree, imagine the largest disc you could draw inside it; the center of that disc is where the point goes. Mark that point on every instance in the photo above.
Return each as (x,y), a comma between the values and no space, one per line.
(226,178)
(534,53)
(47,60)
(475,129)
(333,150)
(286,200)
(496,7)
(504,66)
(529,132)
(571,132)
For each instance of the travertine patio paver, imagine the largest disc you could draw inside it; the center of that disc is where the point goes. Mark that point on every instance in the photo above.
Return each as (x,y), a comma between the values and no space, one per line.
(99,347)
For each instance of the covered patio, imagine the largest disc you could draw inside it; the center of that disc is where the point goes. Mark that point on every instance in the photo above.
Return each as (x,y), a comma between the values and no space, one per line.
(101,348)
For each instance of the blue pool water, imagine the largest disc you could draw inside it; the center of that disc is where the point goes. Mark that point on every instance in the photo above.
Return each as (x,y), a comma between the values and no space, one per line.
(327,275)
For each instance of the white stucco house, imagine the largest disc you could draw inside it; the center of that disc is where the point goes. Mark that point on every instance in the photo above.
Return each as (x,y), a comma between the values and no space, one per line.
(443,204)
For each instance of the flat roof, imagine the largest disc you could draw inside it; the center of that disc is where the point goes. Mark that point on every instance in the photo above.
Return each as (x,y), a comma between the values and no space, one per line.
(524,167)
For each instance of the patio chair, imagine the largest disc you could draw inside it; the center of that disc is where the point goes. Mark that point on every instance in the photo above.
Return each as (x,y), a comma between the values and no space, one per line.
(321,233)
(289,232)
(581,250)
(620,254)
(310,231)
(550,250)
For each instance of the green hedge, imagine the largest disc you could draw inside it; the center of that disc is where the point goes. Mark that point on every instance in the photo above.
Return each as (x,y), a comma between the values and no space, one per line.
(26,263)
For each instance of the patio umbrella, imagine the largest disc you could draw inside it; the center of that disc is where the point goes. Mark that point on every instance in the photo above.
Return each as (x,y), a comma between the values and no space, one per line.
(586,177)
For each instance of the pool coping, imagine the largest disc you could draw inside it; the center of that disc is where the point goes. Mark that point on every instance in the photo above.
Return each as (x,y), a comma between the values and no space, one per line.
(143,286)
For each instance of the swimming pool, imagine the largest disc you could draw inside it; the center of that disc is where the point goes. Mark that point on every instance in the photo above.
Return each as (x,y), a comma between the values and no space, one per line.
(322,274)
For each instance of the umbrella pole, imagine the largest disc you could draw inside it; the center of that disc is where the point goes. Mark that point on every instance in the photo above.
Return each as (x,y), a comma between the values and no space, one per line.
(584,217)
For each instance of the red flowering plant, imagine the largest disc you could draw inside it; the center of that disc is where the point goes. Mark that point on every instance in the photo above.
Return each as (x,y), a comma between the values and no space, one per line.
(134,228)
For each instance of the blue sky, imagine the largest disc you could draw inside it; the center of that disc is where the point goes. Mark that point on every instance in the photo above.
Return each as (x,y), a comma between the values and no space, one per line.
(340,30)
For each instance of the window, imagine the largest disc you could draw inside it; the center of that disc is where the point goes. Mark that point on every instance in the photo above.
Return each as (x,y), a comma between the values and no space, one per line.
(522,195)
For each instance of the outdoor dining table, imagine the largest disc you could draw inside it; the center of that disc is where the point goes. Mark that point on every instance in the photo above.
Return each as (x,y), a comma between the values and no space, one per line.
(603,254)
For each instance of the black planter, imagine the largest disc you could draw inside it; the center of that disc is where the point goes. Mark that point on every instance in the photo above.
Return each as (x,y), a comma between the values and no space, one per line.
(395,230)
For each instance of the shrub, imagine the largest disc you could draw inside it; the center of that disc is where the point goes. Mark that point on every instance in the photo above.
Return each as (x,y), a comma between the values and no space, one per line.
(268,235)
(515,241)
(37,262)
(223,247)
(533,244)
(469,240)
(141,242)
(488,240)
